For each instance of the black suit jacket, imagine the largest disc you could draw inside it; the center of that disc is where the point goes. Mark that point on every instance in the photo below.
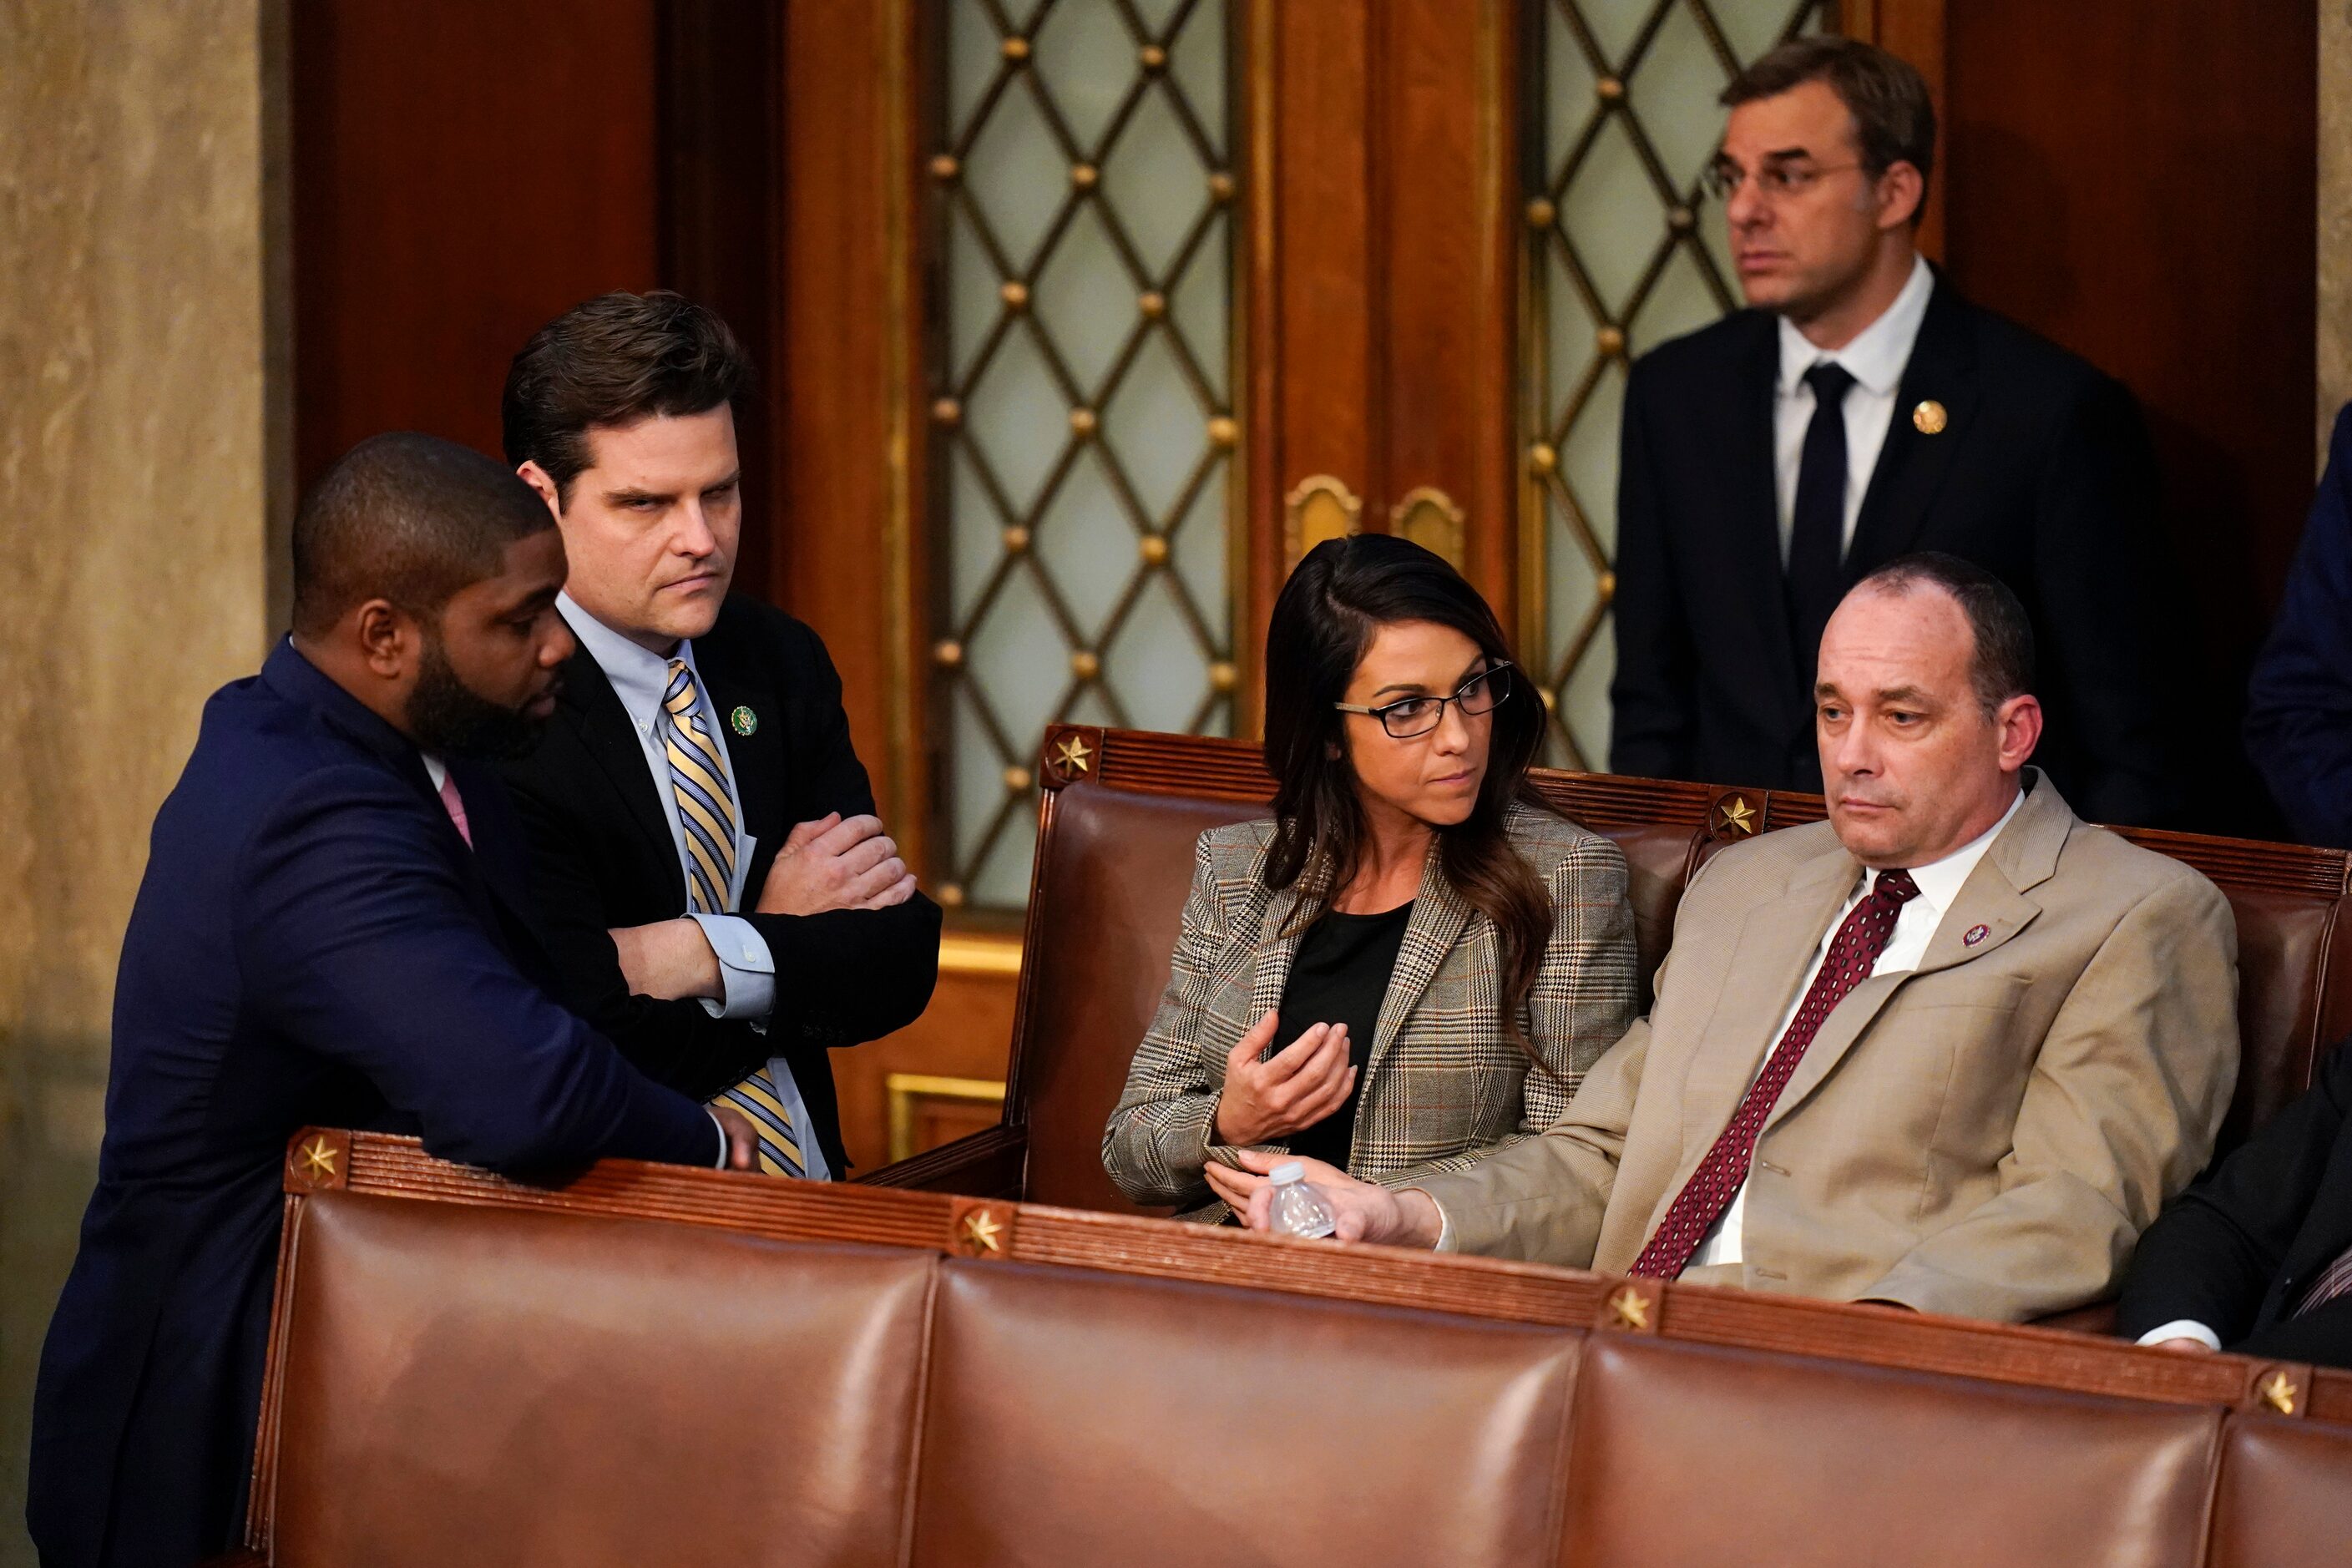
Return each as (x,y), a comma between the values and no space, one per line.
(602,856)
(2042,475)
(2236,1250)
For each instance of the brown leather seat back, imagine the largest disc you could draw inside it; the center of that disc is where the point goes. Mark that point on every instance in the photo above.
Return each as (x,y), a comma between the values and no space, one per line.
(467,1385)
(1700,1456)
(2284,941)
(1658,860)
(1078,1418)
(1104,913)
(2282,1491)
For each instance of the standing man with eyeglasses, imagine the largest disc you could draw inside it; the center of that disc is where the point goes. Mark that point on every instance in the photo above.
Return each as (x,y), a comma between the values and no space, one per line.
(1858,410)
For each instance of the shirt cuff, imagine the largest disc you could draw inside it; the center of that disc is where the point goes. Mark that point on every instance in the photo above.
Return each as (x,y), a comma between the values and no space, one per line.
(747,971)
(1445,1225)
(724,1143)
(2181,1329)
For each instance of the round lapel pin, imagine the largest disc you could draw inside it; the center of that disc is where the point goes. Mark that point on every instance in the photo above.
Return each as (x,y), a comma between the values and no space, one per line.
(1929,417)
(744,720)
(1975,935)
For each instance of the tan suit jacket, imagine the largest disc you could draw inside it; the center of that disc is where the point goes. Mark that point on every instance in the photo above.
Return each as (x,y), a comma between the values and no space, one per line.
(1986,1135)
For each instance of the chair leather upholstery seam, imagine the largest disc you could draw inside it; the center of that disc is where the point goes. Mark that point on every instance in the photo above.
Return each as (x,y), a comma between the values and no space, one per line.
(921,1414)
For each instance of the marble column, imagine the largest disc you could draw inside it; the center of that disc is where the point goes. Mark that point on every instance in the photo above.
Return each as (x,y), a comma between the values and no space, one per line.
(2335,238)
(141,426)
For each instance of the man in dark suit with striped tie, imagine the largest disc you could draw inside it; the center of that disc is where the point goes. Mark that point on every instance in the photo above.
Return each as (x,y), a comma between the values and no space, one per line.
(721,898)
(331,932)
(2257,1258)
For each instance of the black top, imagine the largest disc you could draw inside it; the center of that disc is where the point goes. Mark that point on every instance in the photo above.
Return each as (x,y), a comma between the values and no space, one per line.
(1340,975)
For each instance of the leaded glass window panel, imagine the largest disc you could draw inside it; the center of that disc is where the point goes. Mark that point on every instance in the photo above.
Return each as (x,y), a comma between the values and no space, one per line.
(1082,329)
(1627,250)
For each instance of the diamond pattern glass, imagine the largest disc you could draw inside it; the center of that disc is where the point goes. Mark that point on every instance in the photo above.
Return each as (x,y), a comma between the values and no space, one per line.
(1627,251)
(1079,362)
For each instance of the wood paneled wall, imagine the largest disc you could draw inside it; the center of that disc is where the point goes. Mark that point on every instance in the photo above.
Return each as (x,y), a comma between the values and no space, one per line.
(2137,181)
(461,173)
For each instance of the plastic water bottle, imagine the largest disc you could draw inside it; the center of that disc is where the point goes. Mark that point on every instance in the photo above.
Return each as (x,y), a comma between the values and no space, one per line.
(1298,1209)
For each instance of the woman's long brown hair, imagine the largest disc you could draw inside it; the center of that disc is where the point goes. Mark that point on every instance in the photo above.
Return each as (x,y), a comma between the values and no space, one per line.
(1341,594)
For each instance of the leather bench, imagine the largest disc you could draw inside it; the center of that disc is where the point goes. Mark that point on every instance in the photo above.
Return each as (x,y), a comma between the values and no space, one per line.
(1121,811)
(647,1364)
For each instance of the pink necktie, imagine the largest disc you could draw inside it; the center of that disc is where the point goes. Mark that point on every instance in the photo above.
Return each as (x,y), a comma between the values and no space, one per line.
(1703,1199)
(456,808)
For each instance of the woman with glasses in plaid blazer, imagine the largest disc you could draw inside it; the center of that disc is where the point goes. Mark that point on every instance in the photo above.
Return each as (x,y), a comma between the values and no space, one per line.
(1415,962)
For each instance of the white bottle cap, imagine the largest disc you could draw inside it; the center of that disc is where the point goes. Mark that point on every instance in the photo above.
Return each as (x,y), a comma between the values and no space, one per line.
(1283,1174)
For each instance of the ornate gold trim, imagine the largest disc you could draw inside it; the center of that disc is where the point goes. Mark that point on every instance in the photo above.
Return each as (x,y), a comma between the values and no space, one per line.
(902,1089)
(1428,517)
(971,953)
(1319,506)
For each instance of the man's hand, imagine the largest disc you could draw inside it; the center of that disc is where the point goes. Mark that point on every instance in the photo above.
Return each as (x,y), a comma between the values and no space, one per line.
(1361,1211)
(742,1142)
(668,960)
(835,864)
(1297,1087)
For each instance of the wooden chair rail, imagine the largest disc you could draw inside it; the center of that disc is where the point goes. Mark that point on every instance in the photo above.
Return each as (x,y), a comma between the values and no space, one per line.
(1482,1287)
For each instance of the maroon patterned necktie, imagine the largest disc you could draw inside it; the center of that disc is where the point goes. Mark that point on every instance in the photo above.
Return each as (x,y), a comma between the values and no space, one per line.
(1709,1193)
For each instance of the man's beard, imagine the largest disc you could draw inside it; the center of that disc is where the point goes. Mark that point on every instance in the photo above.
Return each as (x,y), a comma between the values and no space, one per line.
(448,718)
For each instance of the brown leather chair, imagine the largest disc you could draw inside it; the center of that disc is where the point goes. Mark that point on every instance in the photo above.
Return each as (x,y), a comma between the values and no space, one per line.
(1115,844)
(656,1364)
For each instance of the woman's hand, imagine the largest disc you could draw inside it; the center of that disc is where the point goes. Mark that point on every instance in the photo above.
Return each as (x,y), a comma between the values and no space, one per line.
(1296,1087)
(1361,1211)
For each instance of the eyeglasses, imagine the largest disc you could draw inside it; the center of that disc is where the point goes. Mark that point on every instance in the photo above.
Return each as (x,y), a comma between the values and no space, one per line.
(1410,716)
(1724,179)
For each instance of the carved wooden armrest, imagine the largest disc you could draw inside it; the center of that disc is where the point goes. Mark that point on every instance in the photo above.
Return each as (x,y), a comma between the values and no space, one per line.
(989,1164)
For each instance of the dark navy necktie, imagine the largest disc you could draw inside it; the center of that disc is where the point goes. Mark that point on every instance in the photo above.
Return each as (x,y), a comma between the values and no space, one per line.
(1817,539)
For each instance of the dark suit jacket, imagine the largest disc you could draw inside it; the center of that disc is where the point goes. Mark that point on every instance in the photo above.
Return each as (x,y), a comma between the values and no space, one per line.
(2299,709)
(2242,1245)
(2042,475)
(602,856)
(312,943)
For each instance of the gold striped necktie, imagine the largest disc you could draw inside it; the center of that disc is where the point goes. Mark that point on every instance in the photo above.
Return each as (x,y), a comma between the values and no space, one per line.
(706,820)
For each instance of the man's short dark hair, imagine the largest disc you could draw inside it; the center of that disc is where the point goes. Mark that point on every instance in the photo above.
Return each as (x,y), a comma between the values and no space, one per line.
(615,360)
(2002,667)
(407,517)
(1894,118)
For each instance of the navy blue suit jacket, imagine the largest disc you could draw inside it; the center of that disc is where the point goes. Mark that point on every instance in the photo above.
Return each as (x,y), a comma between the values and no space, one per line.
(2299,704)
(312,943)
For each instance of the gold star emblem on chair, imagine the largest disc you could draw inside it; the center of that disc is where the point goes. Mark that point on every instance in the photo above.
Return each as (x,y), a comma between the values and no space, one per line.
(1734,814)
(314,1162)
(1629,1308)
(981,1231)
(2278,1391)
(1072,755)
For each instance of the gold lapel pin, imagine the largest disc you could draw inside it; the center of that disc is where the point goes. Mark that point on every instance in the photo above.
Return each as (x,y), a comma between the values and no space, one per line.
(1929,417)
(743,722)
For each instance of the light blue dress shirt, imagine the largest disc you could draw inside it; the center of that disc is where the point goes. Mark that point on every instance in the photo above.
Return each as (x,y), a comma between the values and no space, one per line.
(747,970)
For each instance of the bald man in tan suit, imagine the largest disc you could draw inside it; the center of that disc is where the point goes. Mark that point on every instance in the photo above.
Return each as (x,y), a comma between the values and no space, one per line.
(1952,1049)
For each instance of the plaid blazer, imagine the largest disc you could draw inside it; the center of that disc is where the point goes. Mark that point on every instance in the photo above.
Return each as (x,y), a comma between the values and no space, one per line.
(1444,1086)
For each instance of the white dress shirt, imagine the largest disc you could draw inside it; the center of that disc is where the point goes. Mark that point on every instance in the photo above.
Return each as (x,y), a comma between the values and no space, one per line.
(1915,927)
(747,970)
(1875,358)
(438,772)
